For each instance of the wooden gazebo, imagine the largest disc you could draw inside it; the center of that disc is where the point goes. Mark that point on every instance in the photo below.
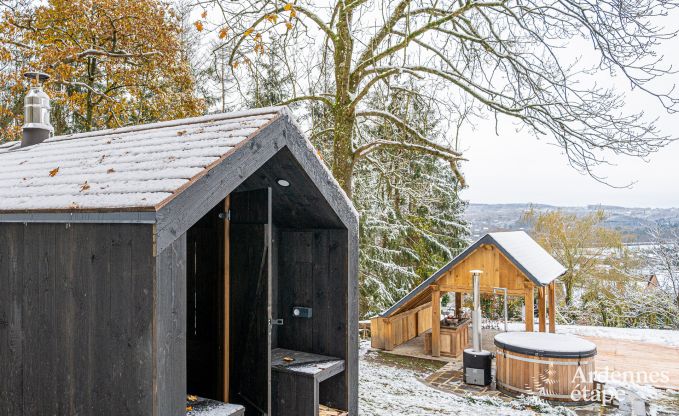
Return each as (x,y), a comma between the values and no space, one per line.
(510,260)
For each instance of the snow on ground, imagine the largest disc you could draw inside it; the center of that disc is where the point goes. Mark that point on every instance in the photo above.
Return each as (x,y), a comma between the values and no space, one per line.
(386,390)
(654,336)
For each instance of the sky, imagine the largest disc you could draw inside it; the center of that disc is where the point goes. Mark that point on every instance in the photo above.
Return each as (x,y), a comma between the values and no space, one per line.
(517,168)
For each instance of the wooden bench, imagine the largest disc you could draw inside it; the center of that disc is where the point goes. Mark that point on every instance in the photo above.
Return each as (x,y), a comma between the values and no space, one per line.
(295,383)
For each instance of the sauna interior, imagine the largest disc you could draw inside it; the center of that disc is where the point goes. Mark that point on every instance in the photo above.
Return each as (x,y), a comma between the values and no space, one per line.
(273,245)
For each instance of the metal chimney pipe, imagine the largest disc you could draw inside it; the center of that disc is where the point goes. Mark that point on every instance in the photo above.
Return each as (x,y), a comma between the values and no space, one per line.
(503,290)
(37,125)
(476,313)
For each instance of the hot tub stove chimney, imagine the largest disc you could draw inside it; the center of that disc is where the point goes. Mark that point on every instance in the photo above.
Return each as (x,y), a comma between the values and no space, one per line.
(476,361)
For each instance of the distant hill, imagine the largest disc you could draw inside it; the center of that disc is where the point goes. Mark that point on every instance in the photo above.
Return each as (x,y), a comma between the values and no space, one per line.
(633,222)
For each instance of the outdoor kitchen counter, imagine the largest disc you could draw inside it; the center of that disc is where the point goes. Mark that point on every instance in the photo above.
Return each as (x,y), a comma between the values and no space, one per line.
(454,339)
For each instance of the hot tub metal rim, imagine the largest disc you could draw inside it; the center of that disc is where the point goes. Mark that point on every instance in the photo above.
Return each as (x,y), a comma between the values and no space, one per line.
(548,354)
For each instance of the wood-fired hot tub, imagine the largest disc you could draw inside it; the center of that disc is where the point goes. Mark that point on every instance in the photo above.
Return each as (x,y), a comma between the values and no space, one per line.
(555,367)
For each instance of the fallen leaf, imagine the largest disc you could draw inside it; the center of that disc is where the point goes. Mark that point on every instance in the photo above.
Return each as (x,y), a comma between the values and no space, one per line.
(110,170)
(192,398)
(73,205)
(288,359)
(84,187)
(181,132)
(54,172)
(189,408)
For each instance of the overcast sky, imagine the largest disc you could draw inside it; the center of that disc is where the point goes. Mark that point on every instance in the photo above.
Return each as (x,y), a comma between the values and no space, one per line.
(516,167)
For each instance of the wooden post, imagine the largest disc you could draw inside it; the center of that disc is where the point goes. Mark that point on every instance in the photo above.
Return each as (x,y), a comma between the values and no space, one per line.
(552,308)
(435,321)
(227,284)
(458,303)
(541,310)
(388,334)
(529,301)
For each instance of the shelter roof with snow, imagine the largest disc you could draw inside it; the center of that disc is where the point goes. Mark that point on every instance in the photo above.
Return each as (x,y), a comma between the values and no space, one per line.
(531,261)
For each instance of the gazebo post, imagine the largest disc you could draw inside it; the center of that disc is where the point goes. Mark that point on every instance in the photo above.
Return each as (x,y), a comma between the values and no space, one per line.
(458,303)
(435,321)
(529,301)
(541,309)
(552,308)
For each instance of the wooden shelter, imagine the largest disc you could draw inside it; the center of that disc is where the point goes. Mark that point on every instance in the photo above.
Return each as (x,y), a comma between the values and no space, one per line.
(192,256)
(510,260)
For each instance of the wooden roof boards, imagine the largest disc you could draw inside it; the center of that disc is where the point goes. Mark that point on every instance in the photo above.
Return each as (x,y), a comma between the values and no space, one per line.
(168,174)
(516,247)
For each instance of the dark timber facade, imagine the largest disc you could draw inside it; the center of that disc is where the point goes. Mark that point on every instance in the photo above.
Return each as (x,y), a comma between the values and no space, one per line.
(124,312)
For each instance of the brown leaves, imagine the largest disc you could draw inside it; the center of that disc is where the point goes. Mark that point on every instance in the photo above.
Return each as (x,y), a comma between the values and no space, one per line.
(272,18)
(199,25)
(223,32)
(287,7)
(192,398)
(204,14)
(181,132)
(111,170)
(84,187)
(54,172)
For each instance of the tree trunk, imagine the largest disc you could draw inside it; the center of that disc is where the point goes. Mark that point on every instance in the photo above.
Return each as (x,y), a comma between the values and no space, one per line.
(343,163)
(343,158)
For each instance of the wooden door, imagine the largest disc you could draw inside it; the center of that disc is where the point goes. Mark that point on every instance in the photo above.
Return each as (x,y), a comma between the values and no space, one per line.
(250,300)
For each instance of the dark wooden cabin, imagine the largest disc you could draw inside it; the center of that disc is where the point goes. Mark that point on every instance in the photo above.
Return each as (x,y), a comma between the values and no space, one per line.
(194,256)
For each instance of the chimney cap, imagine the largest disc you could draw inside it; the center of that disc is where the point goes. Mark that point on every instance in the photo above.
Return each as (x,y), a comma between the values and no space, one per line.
(38,76)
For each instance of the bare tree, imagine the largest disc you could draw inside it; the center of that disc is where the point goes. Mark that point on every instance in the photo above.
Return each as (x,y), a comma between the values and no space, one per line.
(665,259)
(506,57)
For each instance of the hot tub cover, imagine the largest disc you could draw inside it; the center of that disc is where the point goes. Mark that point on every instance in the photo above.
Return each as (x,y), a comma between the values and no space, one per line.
(545,344)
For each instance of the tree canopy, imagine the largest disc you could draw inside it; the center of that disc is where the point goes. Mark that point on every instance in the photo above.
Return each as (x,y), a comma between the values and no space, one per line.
(112,63)
(500,59)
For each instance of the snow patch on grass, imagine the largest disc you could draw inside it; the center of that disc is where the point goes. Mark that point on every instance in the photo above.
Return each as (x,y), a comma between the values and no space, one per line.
(386,390)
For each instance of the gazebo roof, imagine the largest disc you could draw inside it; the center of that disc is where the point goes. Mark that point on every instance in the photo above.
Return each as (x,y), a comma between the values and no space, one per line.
(517,246)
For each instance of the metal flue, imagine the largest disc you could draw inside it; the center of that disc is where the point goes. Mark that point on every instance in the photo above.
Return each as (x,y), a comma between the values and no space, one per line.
(37,126)
(476,313)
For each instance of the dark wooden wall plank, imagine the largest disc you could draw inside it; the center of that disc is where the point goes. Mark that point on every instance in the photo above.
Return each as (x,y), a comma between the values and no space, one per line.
(313,272)
(11,322)
(171,329)
(71,335)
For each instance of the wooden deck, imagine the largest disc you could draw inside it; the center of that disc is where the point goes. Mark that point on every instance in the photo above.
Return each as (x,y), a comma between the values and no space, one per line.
(638,357)
(615,355)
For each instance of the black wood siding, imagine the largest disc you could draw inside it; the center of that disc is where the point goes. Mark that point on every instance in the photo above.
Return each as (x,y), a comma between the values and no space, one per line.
(76,319)
(313,269)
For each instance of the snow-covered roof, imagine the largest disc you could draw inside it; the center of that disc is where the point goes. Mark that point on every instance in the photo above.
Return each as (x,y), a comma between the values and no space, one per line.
(136,168)
(517,246)
(533,260)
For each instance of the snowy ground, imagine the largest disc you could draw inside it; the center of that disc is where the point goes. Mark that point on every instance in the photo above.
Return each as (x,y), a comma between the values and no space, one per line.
(387,390)
(395,389)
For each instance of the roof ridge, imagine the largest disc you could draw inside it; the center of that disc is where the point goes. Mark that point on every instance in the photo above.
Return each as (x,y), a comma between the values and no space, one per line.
(172,123)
